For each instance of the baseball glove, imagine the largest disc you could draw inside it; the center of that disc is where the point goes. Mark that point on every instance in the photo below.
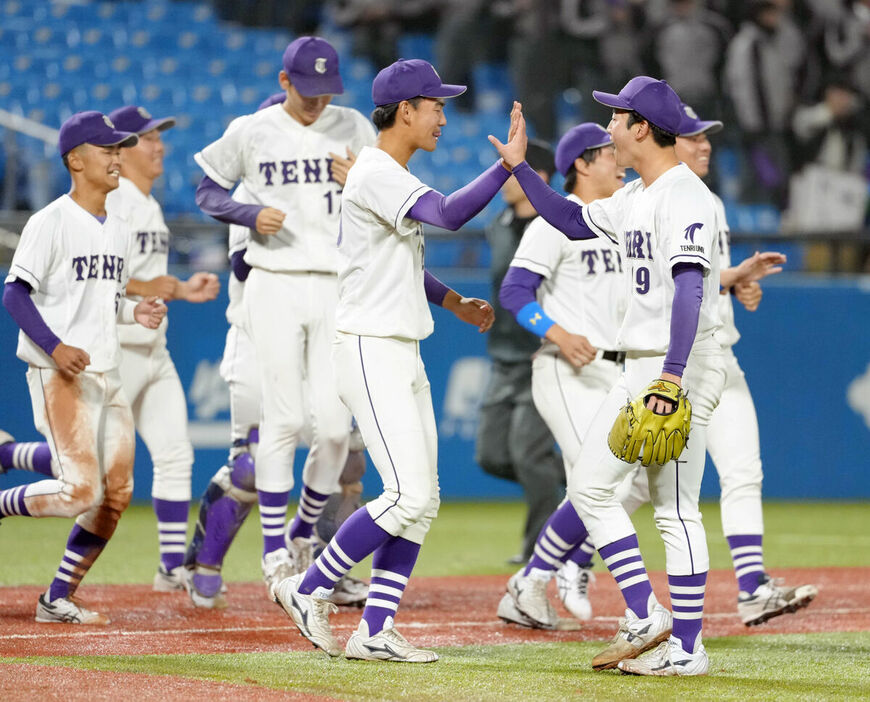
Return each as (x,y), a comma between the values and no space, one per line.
(640,433)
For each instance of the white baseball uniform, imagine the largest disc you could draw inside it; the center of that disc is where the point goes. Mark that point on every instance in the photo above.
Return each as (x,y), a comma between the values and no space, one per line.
(77,269)
(291,292)
(732,437)
(673,220)
(150,380)
(381,317)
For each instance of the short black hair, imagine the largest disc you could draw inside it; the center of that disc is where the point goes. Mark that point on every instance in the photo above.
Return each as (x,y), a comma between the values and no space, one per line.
(384,116)
(540,156)
(660,136)
(589,156)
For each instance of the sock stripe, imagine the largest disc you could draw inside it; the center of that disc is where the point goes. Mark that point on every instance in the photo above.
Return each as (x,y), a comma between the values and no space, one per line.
(385,604)
(386,589)
(616,558)
(273,510)
(553,537)
(323,568)
(627,568)
(389,575)
(628,582)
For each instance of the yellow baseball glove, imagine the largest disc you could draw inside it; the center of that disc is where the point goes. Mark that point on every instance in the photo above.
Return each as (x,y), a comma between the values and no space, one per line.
(640,433)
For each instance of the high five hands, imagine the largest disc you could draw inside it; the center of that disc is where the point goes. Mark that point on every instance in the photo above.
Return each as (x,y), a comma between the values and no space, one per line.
(514,152)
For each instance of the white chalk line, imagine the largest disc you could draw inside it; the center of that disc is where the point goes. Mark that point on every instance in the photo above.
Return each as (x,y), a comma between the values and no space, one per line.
(105,633)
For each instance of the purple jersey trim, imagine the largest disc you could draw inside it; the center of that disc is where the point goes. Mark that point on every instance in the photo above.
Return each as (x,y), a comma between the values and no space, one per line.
(240,268)
(436,291)
(454,210)
(685,309)
(562,213)
(17,300)
(518,289)
(215,201)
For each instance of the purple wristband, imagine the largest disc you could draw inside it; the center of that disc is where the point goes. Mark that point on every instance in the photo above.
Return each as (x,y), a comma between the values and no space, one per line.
(454,210)
(215,201)
(688,294)
(17,300)
(518,289)
(436,291)
(562,213)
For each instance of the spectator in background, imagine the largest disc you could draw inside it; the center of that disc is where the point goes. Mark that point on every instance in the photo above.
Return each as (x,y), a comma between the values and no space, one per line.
(461,41)
(620,55)
(847,42)
(513,442)
(763,78)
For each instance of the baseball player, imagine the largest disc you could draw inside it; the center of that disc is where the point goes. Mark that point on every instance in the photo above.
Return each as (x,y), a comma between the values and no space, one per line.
(732,436)
(568,293)
(281,156)
(666,223)
(66,291)
(513,442)
(150,380)
(382,315)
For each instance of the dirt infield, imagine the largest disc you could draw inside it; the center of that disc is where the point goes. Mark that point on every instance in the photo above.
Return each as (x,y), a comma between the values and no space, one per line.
(452,611)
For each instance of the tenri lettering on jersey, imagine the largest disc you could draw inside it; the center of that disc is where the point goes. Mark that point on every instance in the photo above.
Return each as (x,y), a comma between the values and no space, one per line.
(153,242)
(609,259)
(98,266)
(304,170)
(638,245)
(690,237)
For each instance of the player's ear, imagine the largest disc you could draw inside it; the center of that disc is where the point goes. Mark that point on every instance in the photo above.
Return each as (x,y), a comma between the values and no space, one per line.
(75,160)
(581,166)
(284,80)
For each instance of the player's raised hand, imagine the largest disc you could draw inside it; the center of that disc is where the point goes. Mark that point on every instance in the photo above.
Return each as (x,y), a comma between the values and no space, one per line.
(758,266)
(748,294)
(574,347)
(150,312)
(269,220)
(163,286)
(514,152)
(200,287)
(472,310)
(340,166)
(70,360)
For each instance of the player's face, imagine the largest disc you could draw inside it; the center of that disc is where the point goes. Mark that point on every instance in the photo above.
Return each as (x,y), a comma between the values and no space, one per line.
(607,175)
(100,166)
(305,110)
(695,152)
(426,122)
(623,140)
(146,158)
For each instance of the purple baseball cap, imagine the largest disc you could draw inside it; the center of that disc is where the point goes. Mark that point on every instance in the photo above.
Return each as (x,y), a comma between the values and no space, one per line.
(272,100)
(577,140)
(410,78)
(312,65)
(132,118)
(652,99)
(692,125)
(91,127)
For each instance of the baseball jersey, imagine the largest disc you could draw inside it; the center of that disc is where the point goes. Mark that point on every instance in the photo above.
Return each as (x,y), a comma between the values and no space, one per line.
(77,268)
(727,335)
(380,251)
(239,238)
(672,221)
(149,257)
(285,165)
(582,288)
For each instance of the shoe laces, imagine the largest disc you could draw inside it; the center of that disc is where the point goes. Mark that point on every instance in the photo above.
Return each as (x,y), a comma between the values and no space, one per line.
(584,579)
(322,608)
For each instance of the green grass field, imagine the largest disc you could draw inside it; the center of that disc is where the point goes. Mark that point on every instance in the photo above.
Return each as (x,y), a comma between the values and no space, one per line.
(477,539)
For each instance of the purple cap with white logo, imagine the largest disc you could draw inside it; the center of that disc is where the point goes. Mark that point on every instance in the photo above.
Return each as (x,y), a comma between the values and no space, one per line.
(410,78)
(91,127)
(652,99)
(312,66)
(577,140)
(132,118)
(692,125)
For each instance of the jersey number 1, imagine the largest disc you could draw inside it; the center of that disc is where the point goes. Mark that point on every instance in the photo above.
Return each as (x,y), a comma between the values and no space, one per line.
(328,196)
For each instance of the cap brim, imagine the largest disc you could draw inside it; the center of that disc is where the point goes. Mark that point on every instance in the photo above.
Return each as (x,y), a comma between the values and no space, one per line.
(446,90)
(610,100)
(309,86)
(704,127)
(116,138)
(160,125)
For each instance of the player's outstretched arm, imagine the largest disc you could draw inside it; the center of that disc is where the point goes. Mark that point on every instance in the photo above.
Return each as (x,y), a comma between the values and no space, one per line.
(200,287)
(216,202)
(471,310)
(758,266)
(164,286)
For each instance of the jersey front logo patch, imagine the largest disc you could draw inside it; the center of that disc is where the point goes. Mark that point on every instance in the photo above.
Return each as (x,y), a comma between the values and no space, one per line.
(691,229)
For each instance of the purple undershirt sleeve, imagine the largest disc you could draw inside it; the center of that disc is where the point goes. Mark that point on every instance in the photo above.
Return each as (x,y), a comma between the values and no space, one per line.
(436,291)
(562,213)
(518,289)
(688,294)
(454,210)
(17,300)
(240,268)
(216,202)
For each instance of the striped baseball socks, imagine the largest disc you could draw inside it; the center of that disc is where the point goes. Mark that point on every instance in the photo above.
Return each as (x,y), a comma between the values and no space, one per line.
(12,502)
(355,539)
(273,514)
(311,506)
(560,536)
(171,530)
(687,603)
(625,563)
(33,456)
(748,559)
(582,555)
(82,549)
(392,564)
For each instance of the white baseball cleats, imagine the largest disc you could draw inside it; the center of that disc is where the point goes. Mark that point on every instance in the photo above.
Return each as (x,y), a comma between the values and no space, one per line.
(573,584)
(772,599)
(529,597)
(635,636)
(668,659)
(277,566)
(310,613)
(170,580)
(65,610)
(387,645)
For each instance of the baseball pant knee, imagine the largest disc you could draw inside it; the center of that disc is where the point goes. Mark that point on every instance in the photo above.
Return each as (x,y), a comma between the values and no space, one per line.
(173,466)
